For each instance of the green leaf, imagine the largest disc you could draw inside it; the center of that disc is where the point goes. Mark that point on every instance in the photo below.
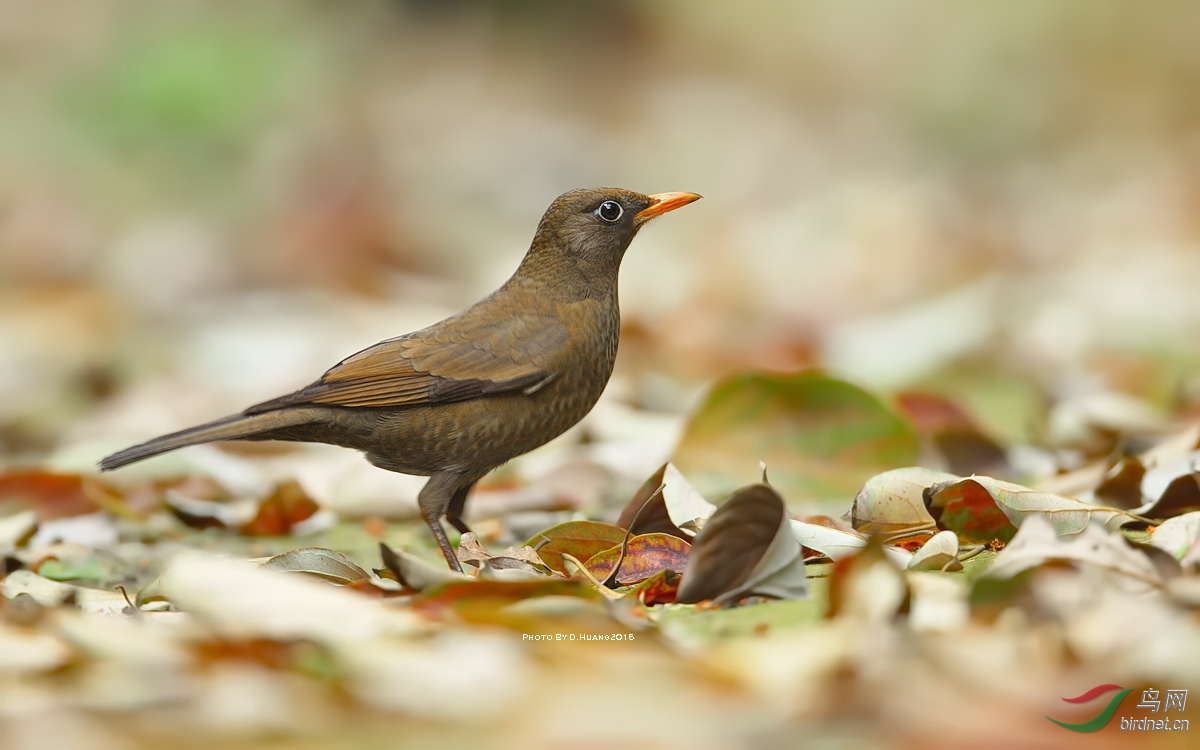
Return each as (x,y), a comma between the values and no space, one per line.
(820,437)
(580,539)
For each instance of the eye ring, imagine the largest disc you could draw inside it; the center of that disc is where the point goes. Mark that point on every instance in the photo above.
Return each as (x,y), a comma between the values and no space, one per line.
(610,211)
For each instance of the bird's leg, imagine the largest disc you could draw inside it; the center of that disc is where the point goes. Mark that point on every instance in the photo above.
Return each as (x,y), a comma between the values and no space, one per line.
(434,499)
(455,511)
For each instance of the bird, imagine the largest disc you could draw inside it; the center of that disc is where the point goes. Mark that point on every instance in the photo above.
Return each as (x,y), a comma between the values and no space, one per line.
(462,397)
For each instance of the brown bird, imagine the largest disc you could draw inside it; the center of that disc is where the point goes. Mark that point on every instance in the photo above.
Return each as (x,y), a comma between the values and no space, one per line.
(457,399)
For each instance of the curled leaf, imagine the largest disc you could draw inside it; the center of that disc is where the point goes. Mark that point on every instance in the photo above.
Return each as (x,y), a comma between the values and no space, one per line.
(939,553)
(980,509)
(892,502)
(747,547)
(1180,537)
(646,506)
(471,552)
(1181,496)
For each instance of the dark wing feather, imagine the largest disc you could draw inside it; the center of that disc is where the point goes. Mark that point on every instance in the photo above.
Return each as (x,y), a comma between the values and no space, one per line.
(456,360)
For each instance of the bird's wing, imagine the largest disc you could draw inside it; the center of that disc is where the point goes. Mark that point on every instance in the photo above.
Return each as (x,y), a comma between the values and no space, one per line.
(457,360)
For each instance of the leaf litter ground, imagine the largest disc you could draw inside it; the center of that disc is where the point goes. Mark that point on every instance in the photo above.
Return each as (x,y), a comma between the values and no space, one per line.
(939,608)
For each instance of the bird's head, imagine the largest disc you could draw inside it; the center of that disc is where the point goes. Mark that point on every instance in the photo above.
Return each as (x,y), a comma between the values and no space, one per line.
(591,228)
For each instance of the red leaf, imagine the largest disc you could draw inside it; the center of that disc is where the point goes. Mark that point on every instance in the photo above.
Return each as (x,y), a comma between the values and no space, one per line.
(968,510)
(661,588)
(287,506)
(51,495)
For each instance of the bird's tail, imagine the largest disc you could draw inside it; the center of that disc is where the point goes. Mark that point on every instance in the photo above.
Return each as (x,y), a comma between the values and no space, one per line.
(235,427)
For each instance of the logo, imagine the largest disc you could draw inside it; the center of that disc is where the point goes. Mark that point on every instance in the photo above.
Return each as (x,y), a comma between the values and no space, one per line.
(1100,720)
(1176,699)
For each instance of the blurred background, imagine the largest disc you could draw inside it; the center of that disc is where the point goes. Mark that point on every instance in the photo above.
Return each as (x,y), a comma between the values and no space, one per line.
(203,204)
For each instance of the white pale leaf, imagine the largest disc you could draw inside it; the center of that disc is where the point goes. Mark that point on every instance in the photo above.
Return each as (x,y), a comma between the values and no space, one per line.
(240,598)
(684,503)
(50,593)
(1036,543)
(939,553)
(780,573)
(16,527)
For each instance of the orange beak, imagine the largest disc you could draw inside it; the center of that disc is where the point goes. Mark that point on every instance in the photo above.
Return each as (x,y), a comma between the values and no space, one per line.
(664,202)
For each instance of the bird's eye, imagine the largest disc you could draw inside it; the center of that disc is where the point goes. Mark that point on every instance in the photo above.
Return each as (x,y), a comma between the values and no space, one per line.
(610,211)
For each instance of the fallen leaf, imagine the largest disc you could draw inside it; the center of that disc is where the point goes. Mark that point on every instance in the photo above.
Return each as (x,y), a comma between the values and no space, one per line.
(828,537)
(17,529)
(414,573)
(980,509)
(822,437)
(939,553)
(51,495)
(238,599)
(24,651)
(580,539)
(87,569)
(645,556)
(577,568)
(1180,537)
(893,503)
(1122,484)
(661,588)
(1172,448)
(209,514)
(94,530)
(50,593)
(745,548)
(1181,496)
(320,562)
(284,508)
(653,517)
(825,536)
(472,552)
(1037,542)
(1095,423)
(685,505)
(675,507)
(866,586)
